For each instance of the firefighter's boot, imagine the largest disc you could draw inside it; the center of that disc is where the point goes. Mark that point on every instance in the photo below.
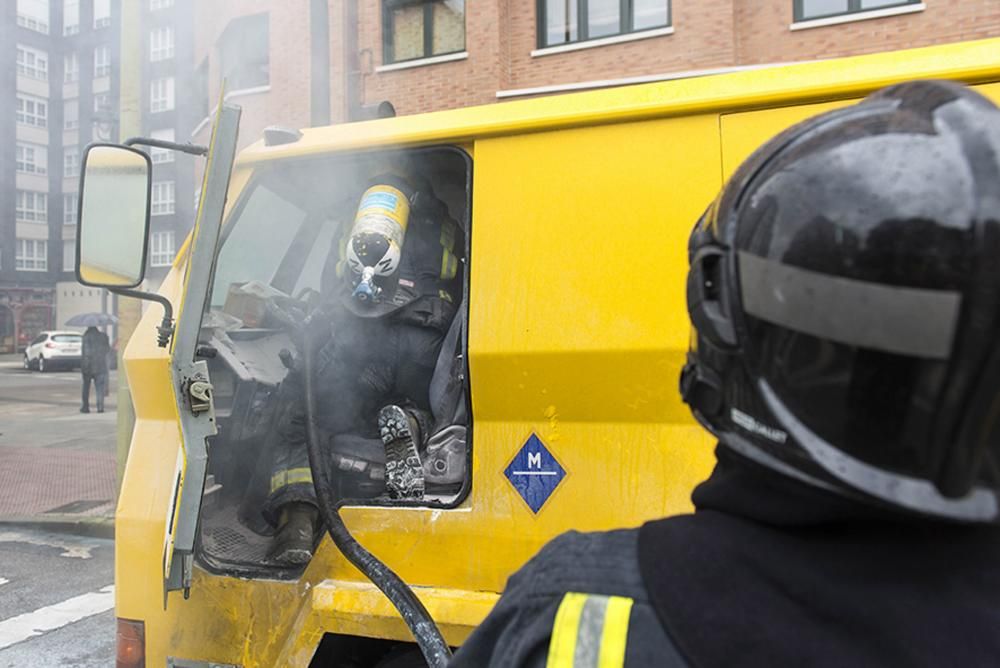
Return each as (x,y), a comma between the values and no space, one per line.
(404,473)
(293,544)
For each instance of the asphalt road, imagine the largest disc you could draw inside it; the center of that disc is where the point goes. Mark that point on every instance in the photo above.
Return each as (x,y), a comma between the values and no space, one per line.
(55,605)
(42,409)
(56,600)
(53,459)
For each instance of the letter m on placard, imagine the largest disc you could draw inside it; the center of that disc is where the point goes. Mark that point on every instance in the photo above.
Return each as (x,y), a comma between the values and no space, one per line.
(534,460)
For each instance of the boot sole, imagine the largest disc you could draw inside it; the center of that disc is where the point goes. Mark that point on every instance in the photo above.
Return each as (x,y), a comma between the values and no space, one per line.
(404,474)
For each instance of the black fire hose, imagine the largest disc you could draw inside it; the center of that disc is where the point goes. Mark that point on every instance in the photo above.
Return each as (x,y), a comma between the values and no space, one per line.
(424,630)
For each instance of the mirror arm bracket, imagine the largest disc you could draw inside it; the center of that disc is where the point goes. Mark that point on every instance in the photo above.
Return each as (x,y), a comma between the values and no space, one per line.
(166,328)
(193,149)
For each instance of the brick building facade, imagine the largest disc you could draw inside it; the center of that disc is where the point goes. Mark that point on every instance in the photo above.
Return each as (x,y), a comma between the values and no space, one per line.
(516,48)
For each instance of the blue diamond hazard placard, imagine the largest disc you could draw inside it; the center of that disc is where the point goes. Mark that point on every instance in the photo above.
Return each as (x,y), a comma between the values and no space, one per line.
(534,473)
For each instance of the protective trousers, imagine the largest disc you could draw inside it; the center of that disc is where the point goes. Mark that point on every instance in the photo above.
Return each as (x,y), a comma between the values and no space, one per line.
(366,364)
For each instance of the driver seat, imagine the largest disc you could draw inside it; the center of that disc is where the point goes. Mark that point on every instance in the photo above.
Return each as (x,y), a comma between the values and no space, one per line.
(445,459)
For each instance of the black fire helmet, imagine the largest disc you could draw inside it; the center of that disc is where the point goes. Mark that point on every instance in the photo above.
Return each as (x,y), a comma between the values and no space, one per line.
(845,294)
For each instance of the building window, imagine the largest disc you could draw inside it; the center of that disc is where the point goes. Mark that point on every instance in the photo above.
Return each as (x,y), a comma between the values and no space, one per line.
(69,254)
(161,94)
(33,15)
(102,103)
(71,202)
(160,4)
(102,61)
(413,29)
(71,17)
(71,162)
(102,13)
(243,53)
(161,249)
(566,21)
(32,111)
(807,10)
(30,159)
(161,44)
(71,114)
(161,155)
(32,63)
(32,255)
(163,198)
(71,68)
(31,206)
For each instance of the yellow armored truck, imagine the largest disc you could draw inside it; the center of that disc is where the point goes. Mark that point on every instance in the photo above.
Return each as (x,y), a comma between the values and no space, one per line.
(562,362)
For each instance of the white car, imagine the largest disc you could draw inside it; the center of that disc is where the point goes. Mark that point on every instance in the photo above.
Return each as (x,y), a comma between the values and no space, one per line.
(52,349)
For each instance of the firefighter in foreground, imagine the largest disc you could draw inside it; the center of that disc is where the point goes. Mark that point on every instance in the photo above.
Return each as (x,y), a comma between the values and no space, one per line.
(845,297)
(392,285)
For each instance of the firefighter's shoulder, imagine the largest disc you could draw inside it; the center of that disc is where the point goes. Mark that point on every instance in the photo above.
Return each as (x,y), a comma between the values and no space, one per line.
(579,602)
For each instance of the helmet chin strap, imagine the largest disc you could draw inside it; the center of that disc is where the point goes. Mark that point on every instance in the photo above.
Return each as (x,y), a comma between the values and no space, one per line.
(979,505)
(744,447)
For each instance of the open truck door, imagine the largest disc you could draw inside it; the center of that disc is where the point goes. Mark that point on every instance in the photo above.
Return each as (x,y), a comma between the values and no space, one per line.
(192,386)
(113,229)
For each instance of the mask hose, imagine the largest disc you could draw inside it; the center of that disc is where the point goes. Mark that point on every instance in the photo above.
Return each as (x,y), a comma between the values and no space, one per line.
(414,614)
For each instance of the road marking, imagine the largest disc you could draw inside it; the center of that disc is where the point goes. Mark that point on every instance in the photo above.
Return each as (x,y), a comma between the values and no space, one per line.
(32,624)
(71,548)
(92,416)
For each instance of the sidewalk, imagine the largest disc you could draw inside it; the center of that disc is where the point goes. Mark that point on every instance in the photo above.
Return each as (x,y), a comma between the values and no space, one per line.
(57,466)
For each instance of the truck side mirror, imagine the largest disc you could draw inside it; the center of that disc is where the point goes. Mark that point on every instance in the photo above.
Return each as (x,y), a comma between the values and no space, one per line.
(113,222)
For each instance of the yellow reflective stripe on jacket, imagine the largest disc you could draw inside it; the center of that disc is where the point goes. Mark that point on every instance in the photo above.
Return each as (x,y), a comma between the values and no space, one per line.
(449,261)
(448,236)
(342,254)
(449,264)
(290,477)
(590,631)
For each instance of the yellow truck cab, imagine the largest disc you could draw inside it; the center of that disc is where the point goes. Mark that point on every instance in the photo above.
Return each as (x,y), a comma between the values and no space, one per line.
(571,333)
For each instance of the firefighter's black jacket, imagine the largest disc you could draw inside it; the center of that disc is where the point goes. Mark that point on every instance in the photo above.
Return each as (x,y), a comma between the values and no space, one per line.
(766,572)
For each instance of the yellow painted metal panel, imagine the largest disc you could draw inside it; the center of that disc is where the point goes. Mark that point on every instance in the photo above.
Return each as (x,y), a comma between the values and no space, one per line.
(743,132)
(579,245)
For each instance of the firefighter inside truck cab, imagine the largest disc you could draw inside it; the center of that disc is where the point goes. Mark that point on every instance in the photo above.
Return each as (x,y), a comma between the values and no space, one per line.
(391,286)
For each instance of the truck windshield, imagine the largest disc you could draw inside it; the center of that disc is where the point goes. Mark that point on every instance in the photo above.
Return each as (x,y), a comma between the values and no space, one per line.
(288,271)
(255,247)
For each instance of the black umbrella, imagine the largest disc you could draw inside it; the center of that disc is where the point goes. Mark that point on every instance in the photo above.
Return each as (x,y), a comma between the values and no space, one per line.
(91,320)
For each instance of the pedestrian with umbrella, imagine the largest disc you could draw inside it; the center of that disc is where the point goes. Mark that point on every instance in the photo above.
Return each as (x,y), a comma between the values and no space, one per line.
(93,356)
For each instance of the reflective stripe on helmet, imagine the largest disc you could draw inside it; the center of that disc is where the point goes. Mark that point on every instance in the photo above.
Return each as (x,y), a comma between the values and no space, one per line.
(890,318)
(590,631)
